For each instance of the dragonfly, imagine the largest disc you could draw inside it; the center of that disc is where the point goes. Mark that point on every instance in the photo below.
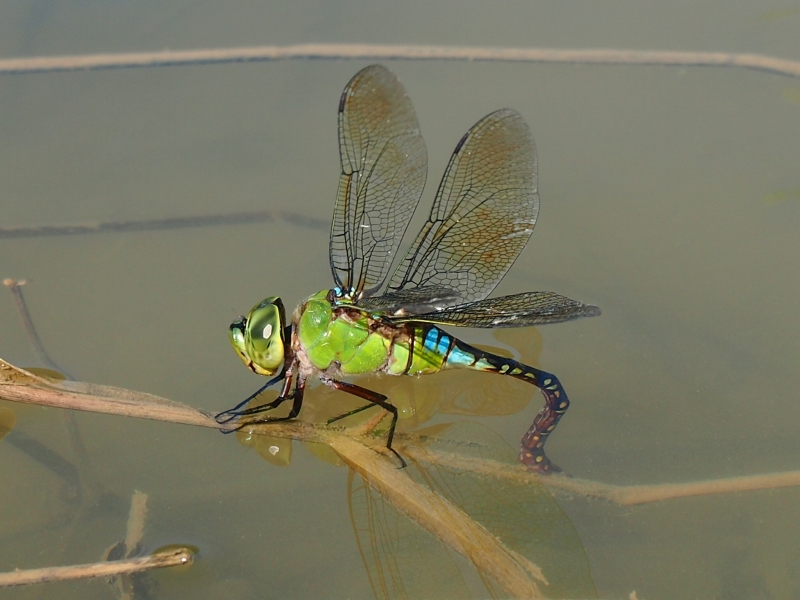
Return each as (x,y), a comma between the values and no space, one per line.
(482,217)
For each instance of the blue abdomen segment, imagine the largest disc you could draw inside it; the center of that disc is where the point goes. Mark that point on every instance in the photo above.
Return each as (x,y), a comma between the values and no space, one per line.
(426,351)
(437,341)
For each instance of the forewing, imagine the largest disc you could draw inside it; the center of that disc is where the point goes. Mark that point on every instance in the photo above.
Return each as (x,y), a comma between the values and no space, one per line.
(483,215)
(384,165)
(519,310)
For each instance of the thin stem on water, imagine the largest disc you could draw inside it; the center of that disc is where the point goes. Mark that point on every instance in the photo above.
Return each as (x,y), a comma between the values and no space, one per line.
(159,560)
(165,224)
(207,56)
(45,456)
(15,287)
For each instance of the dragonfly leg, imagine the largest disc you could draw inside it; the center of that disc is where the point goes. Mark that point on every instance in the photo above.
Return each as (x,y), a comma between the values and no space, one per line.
(350,413)
(374,398)
(230,414)
(297,402)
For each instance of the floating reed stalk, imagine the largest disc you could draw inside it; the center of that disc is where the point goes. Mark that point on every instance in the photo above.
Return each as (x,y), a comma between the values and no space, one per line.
(171,558)
(166,58)
(19,385)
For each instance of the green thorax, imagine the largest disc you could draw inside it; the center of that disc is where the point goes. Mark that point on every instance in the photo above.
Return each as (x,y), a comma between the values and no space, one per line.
(342,334)
(360,341)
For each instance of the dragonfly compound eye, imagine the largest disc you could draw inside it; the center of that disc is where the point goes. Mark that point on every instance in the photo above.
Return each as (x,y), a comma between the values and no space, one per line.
(263,337)
(236,335)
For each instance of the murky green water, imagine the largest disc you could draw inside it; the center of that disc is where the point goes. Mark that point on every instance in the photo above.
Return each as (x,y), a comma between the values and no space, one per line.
(669,198)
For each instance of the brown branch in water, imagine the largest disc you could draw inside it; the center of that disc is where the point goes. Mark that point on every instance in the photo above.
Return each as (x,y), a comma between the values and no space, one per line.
(20,386)
(399,52)
(170,223)
(107,405)
(623,495)
(171,558)
(642,494)
(451,525)
(515,573)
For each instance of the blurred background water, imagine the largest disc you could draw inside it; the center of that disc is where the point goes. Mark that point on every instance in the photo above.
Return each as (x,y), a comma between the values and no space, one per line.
(670,197)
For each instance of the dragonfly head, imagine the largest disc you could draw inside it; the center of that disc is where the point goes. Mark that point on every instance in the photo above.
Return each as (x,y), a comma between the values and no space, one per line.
(258,339)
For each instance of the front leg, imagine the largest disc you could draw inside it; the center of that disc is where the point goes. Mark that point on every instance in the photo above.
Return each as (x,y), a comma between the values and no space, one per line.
(296,397)
(286,394)
(232,413)
(375,398)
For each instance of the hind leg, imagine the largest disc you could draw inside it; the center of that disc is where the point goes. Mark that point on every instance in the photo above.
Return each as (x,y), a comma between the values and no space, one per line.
(376,399)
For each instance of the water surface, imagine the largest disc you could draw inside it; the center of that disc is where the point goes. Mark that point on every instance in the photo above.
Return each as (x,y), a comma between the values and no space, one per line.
(668,198)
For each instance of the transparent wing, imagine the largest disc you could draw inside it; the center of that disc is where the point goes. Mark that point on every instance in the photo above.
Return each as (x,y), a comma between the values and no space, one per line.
(384,165)
(403,561)
(521,513)
(519,310)
(413,301)
(483,215)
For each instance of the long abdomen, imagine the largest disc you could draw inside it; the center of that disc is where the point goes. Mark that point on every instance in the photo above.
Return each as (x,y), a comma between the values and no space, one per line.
(434,350)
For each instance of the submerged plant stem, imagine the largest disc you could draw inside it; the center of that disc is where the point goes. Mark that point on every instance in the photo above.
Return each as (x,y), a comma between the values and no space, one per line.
(170,223)
(642,494)
(32,447)
(15,287)
(136,518)
(623,495)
